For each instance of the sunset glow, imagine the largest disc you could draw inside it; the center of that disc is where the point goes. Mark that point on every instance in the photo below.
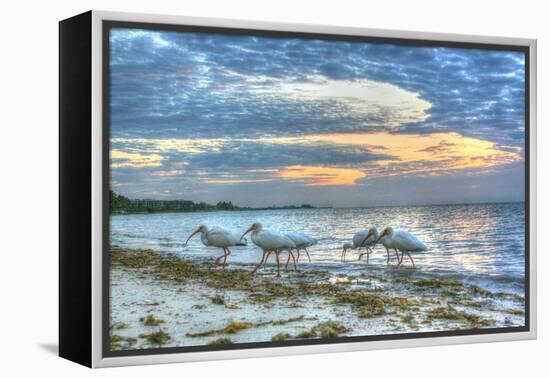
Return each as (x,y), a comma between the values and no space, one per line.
(321,176)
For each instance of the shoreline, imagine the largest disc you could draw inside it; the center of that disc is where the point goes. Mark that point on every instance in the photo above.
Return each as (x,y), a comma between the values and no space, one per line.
(162,300)
(322,208)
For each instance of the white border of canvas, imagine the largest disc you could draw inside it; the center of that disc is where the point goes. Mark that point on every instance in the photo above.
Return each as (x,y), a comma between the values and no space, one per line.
(97,358)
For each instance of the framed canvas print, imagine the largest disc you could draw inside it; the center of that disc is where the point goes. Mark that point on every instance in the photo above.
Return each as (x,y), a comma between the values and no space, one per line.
(232,189)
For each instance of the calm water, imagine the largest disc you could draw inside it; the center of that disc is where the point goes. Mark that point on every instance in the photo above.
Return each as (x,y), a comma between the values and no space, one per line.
(480,242)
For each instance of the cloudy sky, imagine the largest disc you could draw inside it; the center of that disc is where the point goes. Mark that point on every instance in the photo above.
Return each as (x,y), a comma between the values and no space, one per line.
(273,121)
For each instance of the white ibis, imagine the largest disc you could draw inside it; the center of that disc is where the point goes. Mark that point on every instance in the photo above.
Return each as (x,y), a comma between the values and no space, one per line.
(218,237)
(362,239)
(388,245)
(269,241)
(302,241)
(402,240)
(385,242)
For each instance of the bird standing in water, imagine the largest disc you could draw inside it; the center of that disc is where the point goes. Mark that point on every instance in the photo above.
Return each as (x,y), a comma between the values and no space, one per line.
(361,239)
(402,240)
(218,237)
(269,241)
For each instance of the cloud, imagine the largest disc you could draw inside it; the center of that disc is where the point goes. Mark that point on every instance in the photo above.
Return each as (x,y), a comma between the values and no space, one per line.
(199,113)
(121,159)
(316,160)
(177,85)
(421,154)
(374,103)
(322,176)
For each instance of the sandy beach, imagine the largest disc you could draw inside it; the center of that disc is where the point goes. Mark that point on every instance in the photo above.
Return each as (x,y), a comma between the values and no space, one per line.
(163,300)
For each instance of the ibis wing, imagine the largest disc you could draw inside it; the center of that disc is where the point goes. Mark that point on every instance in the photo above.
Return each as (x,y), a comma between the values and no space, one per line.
(300,239)
(406,241)
(272,239)
(220,237)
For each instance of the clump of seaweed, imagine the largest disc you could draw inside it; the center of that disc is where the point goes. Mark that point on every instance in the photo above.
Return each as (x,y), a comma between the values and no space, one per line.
(515,312)
(281,337)
(306,334)
(156,338)
(289,320)
(218,300)
(231,328)
(172,268)
(120,342)
(476,290)
(221,341)
(135,259)
(436,283)
(408,319)
(119,325)
(229,279)
(329,329)
(150,320)
(371,305)
(450,313)
(515,297)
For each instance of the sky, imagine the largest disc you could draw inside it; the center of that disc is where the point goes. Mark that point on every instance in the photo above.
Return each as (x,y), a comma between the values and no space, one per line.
(264,121)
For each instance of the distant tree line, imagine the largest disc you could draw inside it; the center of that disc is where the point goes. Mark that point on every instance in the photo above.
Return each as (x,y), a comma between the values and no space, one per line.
(119,204)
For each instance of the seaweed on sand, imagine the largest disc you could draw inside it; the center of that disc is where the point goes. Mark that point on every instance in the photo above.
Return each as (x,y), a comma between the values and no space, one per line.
(281,337)
(118,342)
(221,341)
(436,283)
(229,279)
(135,259)
(515,312)
(231,328)
(175,269)
(306,334)
(270,291)
(156,338)
(329,329)
(120,325)
(234,327)
(450,313)
(218,300)
(289,320)
(371,305)
(150,321)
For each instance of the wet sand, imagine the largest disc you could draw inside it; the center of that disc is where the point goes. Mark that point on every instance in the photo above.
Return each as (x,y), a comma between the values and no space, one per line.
(162,300)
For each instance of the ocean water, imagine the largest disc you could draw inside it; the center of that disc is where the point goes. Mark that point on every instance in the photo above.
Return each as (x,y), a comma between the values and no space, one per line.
(482,243)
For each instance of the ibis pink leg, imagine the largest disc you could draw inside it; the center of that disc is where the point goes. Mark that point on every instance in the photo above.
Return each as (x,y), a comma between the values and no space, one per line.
(217,261)
(307,253)
(260,264)
(290,254)
(410,257)
(401,260)
(278,263)
(267,257)
(225,258)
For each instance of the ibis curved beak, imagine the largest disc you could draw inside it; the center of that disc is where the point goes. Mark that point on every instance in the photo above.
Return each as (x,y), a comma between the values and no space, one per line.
(381,237)
(368,236)
(193,234)
(246,232)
